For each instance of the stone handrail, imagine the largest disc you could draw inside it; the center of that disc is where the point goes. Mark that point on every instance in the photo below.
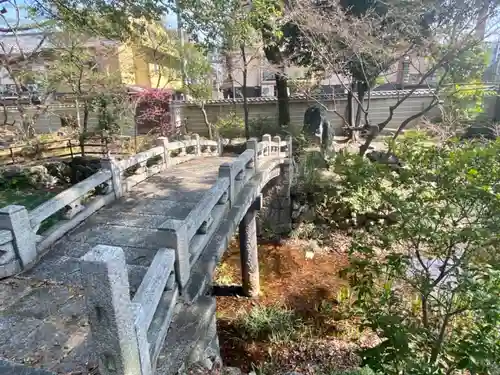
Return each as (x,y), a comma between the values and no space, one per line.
(134,330)
(67,197)
(79,201)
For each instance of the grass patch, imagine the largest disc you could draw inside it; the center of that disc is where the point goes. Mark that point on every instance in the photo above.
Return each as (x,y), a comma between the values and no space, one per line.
(270,323)
(325,368)
(30,198)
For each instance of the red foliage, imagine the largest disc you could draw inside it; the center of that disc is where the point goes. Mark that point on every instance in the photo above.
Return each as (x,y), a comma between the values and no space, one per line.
(153,111)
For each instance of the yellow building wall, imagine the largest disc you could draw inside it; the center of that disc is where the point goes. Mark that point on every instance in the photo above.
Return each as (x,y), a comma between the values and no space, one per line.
(142,77)
(157,69)
(164,74)
(127,65)
(149,64)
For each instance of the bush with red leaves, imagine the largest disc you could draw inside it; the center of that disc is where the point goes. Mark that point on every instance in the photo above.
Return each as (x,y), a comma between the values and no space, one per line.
(153,112)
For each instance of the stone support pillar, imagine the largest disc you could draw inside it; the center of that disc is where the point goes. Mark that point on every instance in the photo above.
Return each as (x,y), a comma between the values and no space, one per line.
(111,164)
(249,252)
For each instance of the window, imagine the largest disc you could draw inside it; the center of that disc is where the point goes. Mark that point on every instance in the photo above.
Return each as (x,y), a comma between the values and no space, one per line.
(267,75)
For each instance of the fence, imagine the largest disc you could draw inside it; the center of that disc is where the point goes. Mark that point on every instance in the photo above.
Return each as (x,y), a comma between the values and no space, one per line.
(83,199)
(131,332)
(62,148)
(263,111)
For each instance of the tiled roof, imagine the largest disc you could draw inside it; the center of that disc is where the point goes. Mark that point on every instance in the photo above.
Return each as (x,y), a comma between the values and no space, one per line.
(270,99)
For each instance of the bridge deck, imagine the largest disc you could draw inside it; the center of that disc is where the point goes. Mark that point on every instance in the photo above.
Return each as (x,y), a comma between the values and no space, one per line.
(43,320)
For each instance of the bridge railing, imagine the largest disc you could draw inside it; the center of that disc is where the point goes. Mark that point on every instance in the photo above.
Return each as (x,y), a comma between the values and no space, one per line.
(72,206)
(132,331)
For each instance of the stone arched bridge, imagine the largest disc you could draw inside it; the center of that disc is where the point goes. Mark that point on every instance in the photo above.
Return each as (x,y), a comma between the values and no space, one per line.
(122,281)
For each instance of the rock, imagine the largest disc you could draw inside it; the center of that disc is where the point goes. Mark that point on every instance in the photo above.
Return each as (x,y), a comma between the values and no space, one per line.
(83,167)
(479,131)
(312,248)
(12,171)
(39,176)
(60,170)
(385,158)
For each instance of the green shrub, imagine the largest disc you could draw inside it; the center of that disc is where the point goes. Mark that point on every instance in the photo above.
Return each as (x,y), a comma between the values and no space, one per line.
(230,126)
(264,125)
(273,323)
(429,284)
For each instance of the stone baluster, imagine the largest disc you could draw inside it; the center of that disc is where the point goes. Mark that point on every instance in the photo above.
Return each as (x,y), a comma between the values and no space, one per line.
(226,170)
(277,140)
(220,146)
(111,314)
(143,167)
(289,150)
(252,144)
(116,174)
(197,146)
(163,141)
(267,148)
(175,237)
(72,209)
(183,147)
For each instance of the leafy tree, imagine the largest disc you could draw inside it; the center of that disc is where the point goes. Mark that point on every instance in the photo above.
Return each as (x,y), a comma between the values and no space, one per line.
(82,70)
(429,283)
(123,20)
(198,85)
(233,30)
(359,42)
(153,108)
(16,64)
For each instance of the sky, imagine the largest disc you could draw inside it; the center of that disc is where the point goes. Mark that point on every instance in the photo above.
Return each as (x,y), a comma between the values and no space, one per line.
(170,21)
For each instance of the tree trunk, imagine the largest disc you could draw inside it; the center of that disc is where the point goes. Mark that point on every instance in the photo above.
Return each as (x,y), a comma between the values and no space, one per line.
(85,128)
(360,88)
(283,101)
(244,89)
(274,56)
(349,113)
(86,113)
(78,119)
(205,118)
(361,97)
(229,67)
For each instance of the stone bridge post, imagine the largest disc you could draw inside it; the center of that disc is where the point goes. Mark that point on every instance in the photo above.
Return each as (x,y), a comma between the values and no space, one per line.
(249,251)
(110,310)
(17,240)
